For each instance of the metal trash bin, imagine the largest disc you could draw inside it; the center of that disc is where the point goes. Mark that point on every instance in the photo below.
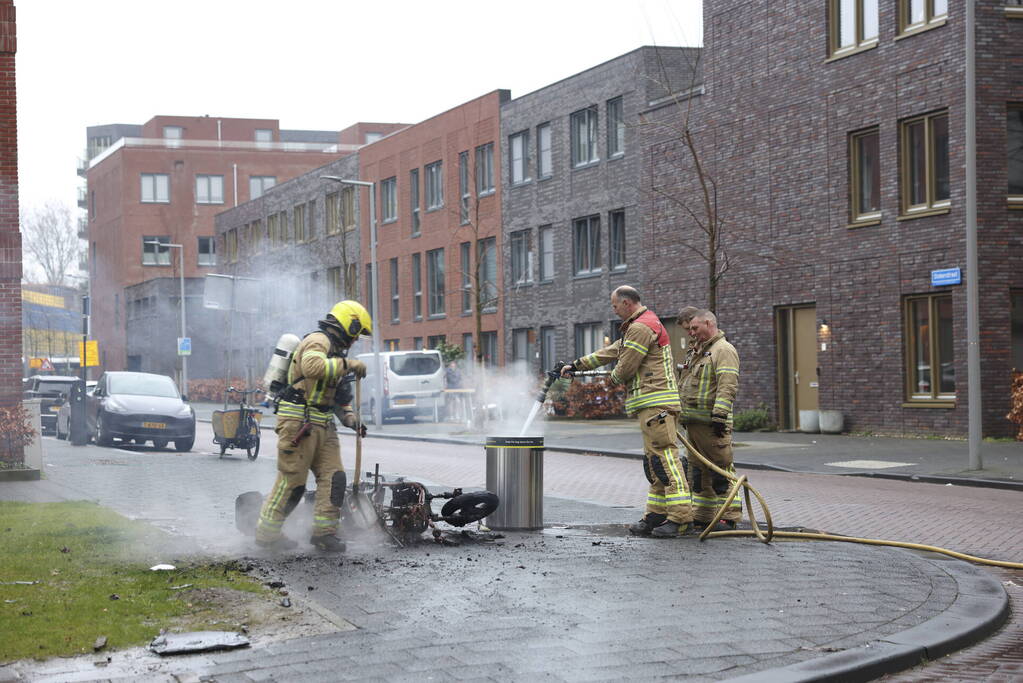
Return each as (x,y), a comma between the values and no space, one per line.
(515,474)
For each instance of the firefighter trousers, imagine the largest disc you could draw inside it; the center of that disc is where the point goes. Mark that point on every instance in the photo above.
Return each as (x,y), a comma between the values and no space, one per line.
(710,488)
(319,452)
(669,492)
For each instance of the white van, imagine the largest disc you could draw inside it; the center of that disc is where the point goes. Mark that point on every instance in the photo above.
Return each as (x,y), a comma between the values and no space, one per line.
(413,384)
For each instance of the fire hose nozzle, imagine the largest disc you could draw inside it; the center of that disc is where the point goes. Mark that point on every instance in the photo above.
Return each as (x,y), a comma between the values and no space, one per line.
(552,376)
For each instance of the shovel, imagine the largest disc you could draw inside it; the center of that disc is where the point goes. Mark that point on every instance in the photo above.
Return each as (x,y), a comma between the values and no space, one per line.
(362,508)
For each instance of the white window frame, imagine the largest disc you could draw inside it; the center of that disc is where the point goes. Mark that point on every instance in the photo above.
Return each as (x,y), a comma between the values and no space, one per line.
(209,189)
(389,200)
(544,151)
(434,185)
(485,170)
(583,132)
(545,246)
(259,184)
(518,158)
(208,256)
(615,127)
(153,255)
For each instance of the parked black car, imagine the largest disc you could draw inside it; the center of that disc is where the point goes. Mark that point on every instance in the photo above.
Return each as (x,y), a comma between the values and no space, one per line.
(139,407)
(51,390)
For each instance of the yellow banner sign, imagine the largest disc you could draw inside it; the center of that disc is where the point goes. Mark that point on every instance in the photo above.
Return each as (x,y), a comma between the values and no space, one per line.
(91,353)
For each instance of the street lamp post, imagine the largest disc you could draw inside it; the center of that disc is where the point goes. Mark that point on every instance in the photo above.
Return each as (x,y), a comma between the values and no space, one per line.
(378,383)
(181,279)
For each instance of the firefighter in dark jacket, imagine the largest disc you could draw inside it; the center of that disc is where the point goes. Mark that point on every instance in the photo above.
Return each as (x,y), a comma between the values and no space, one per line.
(306,436)
(645,366)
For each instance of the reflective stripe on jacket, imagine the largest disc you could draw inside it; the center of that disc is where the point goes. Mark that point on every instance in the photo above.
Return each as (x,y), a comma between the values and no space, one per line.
(712,382)
(317,374)
(645,363)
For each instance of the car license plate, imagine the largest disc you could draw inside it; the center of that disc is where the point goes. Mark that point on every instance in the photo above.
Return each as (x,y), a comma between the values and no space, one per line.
(54,409)
(154,425)
(404,401)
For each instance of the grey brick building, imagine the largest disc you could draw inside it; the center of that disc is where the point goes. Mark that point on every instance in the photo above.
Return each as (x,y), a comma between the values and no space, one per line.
(295,241)
(834,134)
(574,223)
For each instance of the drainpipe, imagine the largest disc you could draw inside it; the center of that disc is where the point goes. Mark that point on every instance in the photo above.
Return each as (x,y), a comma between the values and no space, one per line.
(972,275)
(235,184)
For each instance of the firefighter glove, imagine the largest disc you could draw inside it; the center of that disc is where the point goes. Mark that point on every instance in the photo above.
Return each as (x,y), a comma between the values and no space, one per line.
(356,366)
(349,420)
(719,425)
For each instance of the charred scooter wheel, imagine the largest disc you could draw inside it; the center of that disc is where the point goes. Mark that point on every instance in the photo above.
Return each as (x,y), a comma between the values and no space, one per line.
(469,507)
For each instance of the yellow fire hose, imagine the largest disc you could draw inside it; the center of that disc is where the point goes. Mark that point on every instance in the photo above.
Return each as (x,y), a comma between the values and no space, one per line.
(766,536)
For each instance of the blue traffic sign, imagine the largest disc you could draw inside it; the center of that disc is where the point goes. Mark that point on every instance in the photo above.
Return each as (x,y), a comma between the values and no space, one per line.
(184,346)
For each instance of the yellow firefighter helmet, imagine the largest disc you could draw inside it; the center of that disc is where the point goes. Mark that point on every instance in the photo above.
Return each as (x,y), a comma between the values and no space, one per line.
(352,317)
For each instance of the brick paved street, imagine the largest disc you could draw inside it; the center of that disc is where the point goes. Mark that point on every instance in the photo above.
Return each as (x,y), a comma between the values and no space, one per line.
(581,603)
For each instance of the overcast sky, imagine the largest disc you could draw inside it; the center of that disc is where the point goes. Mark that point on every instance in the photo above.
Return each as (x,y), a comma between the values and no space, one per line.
(308,63)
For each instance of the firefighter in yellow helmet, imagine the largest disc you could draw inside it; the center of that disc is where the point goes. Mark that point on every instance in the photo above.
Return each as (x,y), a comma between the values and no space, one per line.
(318,378)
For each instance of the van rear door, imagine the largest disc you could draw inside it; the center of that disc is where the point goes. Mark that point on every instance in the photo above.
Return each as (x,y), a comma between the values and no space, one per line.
(413,376)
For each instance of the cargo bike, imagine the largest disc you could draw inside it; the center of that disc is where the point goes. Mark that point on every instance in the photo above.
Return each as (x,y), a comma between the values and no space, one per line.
(237,427)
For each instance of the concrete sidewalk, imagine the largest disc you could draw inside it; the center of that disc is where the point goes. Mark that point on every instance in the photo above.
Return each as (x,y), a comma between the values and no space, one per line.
(922,459)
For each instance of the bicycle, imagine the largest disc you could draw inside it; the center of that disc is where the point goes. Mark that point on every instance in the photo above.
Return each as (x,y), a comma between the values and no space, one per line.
(238,428)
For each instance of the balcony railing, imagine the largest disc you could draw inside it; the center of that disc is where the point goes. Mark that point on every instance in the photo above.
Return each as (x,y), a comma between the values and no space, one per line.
(82,167)
(82,202)
(83,228)
(177,143)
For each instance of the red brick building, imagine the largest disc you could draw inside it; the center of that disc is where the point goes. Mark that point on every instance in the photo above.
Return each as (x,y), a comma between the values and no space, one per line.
(438,186)
(166,186)
(10,236)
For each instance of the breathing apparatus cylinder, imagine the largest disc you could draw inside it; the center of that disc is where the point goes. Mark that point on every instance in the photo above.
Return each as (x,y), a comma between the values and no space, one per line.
(276,376)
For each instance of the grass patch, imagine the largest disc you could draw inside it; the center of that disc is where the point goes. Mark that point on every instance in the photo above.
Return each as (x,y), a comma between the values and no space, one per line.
(91,568)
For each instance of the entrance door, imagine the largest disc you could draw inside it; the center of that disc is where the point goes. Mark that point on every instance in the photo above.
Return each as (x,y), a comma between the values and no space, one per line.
(797,363)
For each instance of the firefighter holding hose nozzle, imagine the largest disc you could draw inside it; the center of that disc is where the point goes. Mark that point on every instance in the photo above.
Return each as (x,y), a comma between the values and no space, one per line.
(307,402)
(646,367)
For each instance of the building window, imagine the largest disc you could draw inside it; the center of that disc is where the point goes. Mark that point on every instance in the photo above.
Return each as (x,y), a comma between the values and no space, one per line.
(520,345)
(488,345)
(917,15)
(298,221)
(467,346)
(373,137)
(207,251)
(520,261)
(583,125)
(586,245)
(153,254)
(435,340)
(231,245)
(486,253)
(394,291)
(615,127)
(485,169)
(273,230)
(435,282)
(335,283)
(616,236)
(389,200)
(463,187)
(413,185)
(417,286)
(1014,144)
(417,343)
(155,188)
(589,337)
(259,184)
(548,348)
(929,354)
(392,344)
(256,236)
(209,189)
(333,211)
(369,286)
(864,176)
(546,241)
(434,185)
(310,219)
(853,25)
(465,262)
(348,208)
(518,157)
(544,159)
(173,132)
(925,163)
(264,135)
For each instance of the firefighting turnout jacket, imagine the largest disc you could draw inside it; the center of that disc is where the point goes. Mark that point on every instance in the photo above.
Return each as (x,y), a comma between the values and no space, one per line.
(316,370)
(709,388)
(645,364)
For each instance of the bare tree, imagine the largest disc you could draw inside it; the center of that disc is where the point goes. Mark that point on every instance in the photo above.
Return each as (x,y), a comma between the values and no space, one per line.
(50,238)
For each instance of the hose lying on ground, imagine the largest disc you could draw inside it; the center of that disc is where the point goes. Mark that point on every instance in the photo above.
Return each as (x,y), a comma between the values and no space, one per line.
(766,536)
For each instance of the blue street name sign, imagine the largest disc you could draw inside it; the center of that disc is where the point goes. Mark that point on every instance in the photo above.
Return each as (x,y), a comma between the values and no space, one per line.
(946,276)
(184,346)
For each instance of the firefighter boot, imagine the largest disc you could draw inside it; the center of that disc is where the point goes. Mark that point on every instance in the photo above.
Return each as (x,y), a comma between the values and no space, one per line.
(671,530)
(328,543)
(646,525)
(278,544)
